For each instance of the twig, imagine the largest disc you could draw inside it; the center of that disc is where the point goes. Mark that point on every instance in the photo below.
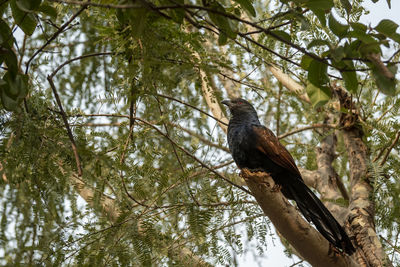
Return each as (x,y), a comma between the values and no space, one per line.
(200,137)
(80,3)
(54,36)
(64,117)
(390,244)
(384,113)
(79,58)
(122,161)
(63,114)
(194,157)
(390,148)
(196,108)
(240,82)
(296,263)
(176,153)
(314,126)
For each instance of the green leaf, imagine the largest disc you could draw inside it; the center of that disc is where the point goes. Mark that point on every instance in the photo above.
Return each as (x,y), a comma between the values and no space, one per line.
(396,37)
(352,49)
(138,21)
(8,103)
(358,26)
(319,96)
(222,22)
(305,24)
(338,53)
(282,35)
(305,62)
(336,27)
(222,39)
(320,13)
(9,57)
(320,4)
(369,48)
(385,85)
(318,42)
(3,8)
(17,86)
(26,21)
(350,78)
(48,10)
(387,27)
(28,5)
(13,90)
(6,36)
(317,73)
(247,6)
(362,36)
(346,5)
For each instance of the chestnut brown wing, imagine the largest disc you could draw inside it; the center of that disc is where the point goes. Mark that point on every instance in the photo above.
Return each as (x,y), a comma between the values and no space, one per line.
(269,144)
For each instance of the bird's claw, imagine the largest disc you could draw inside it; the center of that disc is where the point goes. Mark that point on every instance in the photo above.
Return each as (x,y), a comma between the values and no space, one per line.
(334,251)
(276,188)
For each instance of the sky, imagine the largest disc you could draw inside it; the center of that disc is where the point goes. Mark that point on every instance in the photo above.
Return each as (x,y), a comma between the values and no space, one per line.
(275,256)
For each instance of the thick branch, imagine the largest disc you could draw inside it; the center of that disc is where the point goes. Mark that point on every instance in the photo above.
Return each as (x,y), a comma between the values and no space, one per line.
(304,238)
(362,208)
(329,181)
(289,83)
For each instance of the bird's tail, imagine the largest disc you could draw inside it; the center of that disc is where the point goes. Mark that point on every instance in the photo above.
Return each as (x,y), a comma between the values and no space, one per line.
(313,210)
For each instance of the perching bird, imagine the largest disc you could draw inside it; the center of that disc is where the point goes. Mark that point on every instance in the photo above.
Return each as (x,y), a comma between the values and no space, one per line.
(256,148)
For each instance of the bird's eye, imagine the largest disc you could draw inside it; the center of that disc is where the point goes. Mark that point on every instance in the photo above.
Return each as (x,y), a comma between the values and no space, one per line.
(239,102)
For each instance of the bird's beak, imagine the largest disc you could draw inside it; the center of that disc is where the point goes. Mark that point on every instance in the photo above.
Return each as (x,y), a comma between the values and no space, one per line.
(226,102)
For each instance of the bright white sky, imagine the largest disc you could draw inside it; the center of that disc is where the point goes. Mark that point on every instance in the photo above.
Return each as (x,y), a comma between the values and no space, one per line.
(274,256)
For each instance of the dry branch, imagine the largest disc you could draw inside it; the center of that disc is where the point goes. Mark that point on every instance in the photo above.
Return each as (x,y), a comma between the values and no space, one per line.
(305,239)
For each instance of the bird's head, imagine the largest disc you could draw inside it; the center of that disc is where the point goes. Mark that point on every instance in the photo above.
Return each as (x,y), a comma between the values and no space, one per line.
(239,107)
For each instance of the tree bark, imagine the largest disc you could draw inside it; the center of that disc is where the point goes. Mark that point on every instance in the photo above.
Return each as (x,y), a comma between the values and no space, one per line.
(362,208)
(310,244)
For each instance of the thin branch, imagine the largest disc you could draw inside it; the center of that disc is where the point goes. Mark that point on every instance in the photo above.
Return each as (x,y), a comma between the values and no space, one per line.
(240,82)
(62,112)
(81,3)
(296,263)
(175,152)
(54,36)
(122,161)
(200,137)
(387,241)
(396,139)
(384,113)
(196,108)
(79,58)
(64,117)
(314,126)
(289,83)
(194,157)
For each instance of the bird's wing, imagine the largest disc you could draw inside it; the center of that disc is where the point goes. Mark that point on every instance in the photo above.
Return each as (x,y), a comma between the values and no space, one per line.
(269,144)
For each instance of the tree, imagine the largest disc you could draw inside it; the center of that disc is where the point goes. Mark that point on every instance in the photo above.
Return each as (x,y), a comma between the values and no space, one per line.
(116,104)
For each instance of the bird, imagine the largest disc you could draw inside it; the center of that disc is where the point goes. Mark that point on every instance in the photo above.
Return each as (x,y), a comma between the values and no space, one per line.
(255,147)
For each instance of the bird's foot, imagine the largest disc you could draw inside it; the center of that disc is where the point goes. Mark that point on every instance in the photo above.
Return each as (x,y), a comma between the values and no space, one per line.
(334,251)
(276,188)
(255,175)
(257,170)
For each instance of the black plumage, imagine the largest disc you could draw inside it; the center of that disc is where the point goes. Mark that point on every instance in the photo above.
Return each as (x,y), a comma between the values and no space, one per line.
(256,148)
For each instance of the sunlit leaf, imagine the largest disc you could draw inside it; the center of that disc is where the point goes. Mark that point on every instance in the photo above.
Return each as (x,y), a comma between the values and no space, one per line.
(319,96)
